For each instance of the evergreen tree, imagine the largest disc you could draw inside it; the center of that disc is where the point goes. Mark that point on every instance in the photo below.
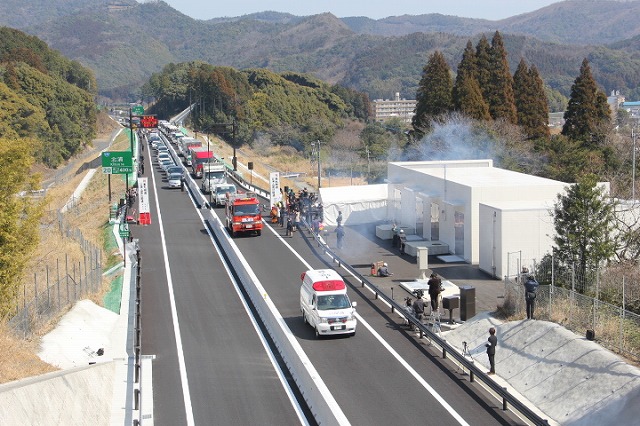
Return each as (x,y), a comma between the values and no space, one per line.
(531,101)
(583,221)
(469,100)
(499,91)
(434,93)
(587,114)
(467,96)
(482,65)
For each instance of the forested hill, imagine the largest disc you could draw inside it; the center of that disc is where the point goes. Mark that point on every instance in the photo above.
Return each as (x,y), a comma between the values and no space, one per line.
(286,109)
(44,97)
(124,42)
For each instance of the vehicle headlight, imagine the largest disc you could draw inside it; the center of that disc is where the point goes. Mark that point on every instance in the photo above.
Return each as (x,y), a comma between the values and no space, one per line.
(324,321)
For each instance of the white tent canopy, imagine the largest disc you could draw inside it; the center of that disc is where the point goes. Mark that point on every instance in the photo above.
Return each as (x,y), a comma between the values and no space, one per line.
(358,204)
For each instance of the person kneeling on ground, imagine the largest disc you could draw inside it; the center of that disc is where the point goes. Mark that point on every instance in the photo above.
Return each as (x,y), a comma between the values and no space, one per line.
(383,271)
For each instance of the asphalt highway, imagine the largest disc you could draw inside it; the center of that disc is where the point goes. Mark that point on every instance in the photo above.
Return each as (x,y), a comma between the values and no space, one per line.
(212,365)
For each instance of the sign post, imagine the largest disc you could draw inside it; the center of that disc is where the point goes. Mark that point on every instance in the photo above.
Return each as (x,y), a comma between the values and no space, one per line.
(275,195)
(124,234)
(144,217)
(117,162)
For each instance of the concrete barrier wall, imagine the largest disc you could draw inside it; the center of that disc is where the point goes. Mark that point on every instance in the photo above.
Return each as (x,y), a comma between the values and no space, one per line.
(322,404)
(80,396)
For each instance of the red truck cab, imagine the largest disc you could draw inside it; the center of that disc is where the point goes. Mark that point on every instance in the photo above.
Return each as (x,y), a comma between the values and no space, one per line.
(243,214)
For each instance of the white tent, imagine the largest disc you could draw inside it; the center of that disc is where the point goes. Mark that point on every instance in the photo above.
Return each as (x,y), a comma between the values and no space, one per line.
(358,204)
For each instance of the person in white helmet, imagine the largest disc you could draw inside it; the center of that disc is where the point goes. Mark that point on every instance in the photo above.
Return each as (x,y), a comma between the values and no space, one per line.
(403,240)
(383,271)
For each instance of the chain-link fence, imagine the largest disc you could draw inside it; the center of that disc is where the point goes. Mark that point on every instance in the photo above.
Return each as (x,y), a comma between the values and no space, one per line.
(60,286)
(613,327)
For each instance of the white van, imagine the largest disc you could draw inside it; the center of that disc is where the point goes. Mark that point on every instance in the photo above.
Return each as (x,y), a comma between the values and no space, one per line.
(324,303)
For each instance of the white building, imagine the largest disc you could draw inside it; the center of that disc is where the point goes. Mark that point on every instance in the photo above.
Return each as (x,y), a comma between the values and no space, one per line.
(386,109)
(485,215)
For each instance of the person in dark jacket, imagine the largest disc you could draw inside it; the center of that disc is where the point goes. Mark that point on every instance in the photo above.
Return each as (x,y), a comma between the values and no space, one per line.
(435,288)
(530,290)
(402,238)
(491,350)
(418,308)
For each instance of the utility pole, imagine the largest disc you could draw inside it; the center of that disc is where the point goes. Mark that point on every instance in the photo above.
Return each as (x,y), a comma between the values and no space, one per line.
(368,162)
(234,130)
(316,146)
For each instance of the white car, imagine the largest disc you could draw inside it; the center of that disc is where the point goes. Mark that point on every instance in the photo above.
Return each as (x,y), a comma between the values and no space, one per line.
(175,180)
(163,156)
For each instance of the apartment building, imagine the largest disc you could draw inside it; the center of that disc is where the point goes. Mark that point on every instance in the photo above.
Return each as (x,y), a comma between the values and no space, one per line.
(384,109)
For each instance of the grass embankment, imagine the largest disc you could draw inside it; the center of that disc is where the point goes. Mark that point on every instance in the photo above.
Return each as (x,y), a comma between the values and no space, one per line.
(18,357)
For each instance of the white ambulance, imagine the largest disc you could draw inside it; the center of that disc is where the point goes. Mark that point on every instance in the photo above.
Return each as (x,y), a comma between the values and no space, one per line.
(324,303)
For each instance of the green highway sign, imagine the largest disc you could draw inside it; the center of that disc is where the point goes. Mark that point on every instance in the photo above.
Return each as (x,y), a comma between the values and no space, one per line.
(123,230)
(117,162)
(137,110)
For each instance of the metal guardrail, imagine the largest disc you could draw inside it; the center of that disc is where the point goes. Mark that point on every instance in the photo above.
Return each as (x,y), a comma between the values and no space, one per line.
(447,349)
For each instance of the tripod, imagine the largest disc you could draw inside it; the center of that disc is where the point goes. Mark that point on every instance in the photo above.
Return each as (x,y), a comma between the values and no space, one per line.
(465,351)
(434,321)
(465,354)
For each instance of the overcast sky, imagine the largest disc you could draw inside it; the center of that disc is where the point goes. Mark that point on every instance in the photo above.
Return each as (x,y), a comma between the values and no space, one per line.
(375,9)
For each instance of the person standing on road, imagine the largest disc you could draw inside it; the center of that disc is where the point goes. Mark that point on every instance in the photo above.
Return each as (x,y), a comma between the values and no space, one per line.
(289,227)
(296,221)
(530,288)
(339,235)
(395,229)
(491,350)
(435,288)
(402,240)
(283,215)
(418,308)
(339,218)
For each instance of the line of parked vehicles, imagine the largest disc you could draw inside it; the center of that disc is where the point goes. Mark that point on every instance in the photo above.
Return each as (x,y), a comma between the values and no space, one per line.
(324,303)
(242,210)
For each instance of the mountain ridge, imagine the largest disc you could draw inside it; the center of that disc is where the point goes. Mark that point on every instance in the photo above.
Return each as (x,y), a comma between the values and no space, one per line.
(125,42)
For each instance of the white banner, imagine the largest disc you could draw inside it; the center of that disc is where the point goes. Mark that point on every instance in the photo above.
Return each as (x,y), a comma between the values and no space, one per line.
(143,195)
(276,195)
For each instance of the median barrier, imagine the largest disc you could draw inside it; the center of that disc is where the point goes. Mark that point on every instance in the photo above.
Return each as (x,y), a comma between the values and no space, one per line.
(324,407)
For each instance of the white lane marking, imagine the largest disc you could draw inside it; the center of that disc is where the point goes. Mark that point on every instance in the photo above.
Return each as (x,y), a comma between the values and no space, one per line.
(174,314)
(414,373)
(281,376)
(388,347)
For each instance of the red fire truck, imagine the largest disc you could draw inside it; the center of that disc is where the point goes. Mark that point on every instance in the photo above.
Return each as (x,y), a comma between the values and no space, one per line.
(243,213)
